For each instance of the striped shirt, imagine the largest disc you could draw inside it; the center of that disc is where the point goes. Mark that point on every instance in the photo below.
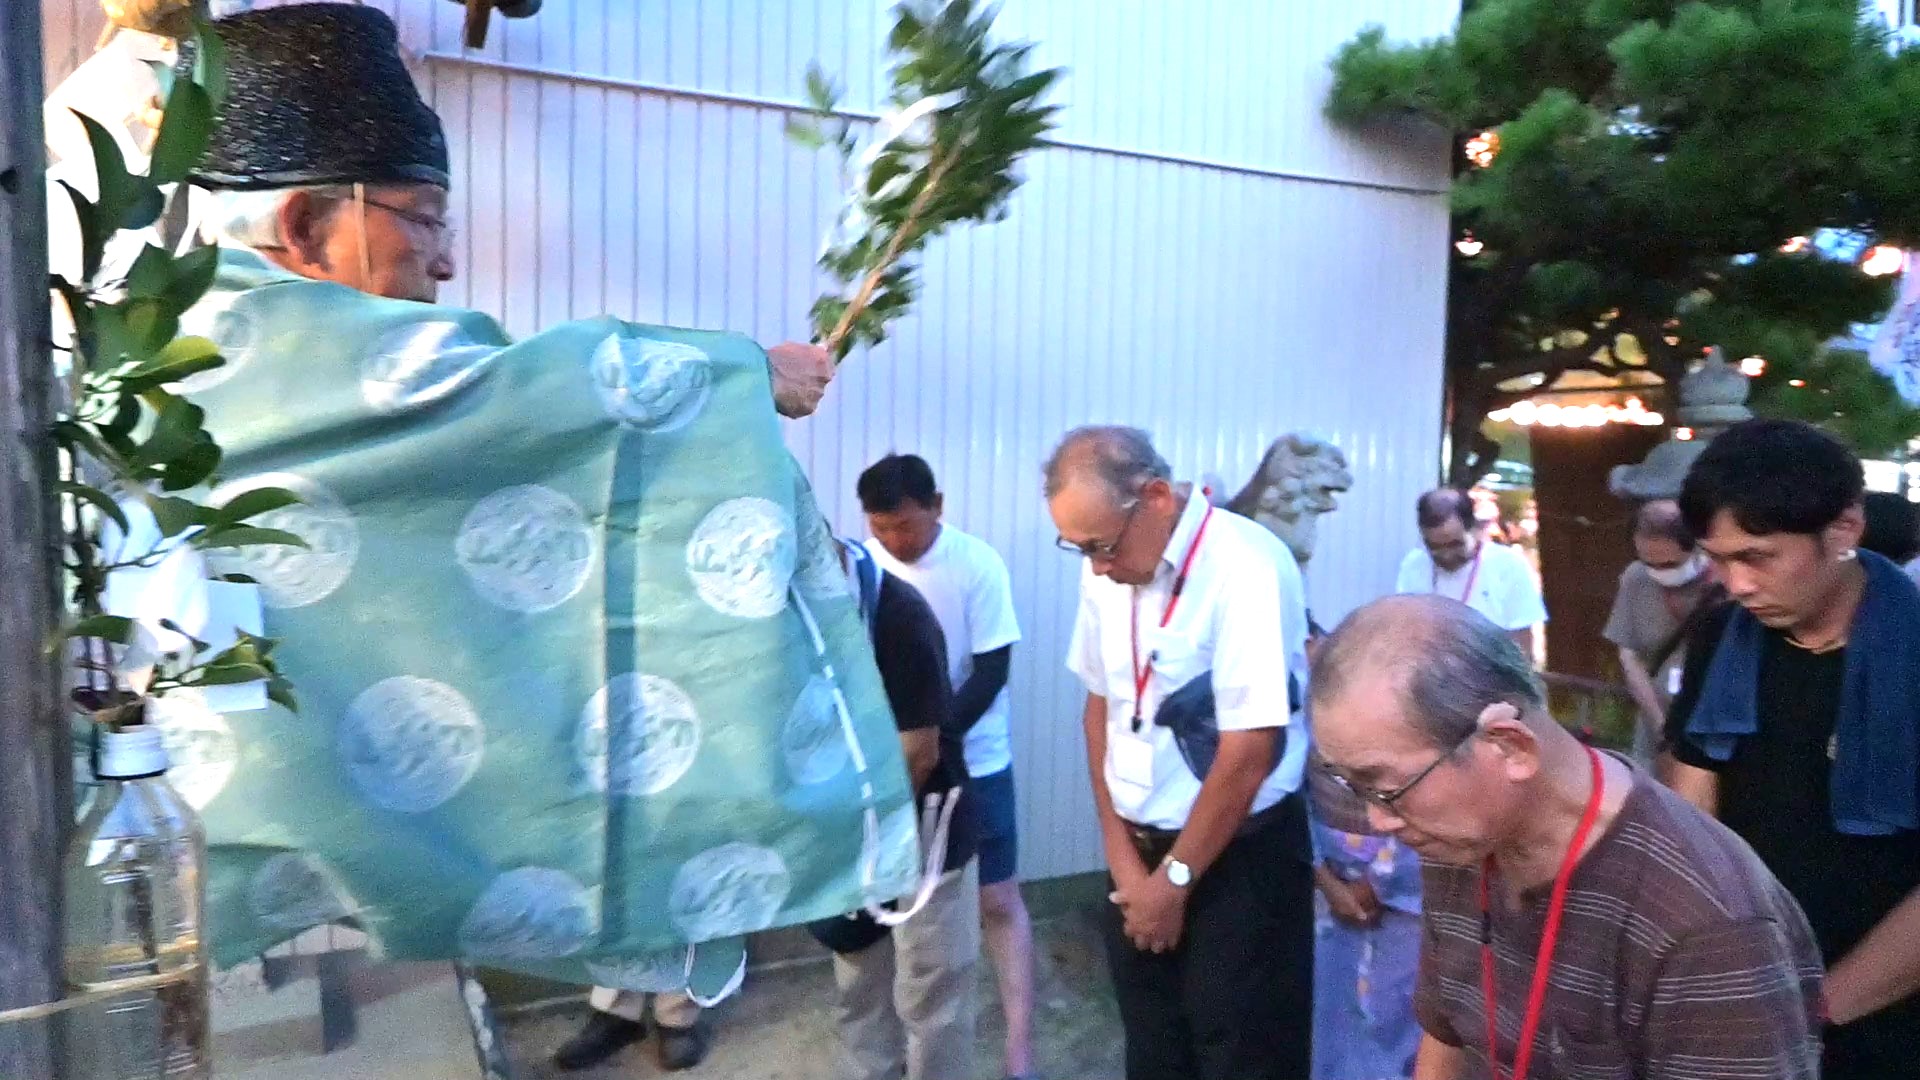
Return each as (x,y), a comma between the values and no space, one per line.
(1680,958)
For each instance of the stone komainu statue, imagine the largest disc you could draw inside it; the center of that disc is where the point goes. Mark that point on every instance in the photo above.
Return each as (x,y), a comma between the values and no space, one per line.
(1296,483)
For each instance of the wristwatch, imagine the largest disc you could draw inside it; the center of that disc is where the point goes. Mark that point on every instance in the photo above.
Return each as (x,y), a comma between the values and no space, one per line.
(1179,873)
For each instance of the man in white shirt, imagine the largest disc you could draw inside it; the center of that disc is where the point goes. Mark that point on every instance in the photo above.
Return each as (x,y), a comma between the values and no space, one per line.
(1456,561)
(1195,766)
(965,582)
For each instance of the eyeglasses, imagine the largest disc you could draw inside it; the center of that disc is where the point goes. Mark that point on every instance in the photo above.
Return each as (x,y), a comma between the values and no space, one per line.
(439,228)
(1385,800)
(1096,549)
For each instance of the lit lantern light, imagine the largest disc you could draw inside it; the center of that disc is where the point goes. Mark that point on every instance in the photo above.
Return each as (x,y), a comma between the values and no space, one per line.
(1753,366)
(1482,148)
(1468,246)
(1549,414)
(1795,245)
(1796,382)
(1684,434)
(1883,260)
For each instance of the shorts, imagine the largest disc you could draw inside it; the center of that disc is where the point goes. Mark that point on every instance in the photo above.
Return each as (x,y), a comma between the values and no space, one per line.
(999,833)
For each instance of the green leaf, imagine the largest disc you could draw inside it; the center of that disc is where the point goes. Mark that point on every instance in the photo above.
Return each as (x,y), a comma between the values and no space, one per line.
(280,692)
(184,131)
(93,233)
(254,502)
(151,273)
(230,674)
(822,94)
(180,358)
(117,192)
(210,59)
(96,498)
(193,467)
(148,203)
(806,134)
(198,645)
(114,628)
(174,433)
(75,436)
(175,515)
(246,536)
(192,276)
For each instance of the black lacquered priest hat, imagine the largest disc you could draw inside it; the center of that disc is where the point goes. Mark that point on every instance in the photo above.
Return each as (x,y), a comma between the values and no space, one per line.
(318,94)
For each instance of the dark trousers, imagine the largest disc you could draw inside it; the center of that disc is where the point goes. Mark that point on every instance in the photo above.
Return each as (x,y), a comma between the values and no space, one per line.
(1235,1000)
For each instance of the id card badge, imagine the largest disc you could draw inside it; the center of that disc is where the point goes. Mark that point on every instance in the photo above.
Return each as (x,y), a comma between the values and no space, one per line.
(1673,680)
(1133,760)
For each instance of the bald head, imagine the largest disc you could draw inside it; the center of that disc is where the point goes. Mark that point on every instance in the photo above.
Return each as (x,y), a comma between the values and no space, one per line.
(1119,460)
(1446,662)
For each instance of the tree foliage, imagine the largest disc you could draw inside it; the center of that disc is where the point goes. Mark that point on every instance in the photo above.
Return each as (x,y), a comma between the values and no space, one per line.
(1654,163)
(125,432)
(962,110)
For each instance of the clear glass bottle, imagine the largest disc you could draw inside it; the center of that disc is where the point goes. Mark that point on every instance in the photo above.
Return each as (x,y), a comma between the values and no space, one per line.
(135,899)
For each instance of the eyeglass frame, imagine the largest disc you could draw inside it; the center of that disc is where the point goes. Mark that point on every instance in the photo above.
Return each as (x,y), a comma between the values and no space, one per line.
(1098,549)
(1387,800)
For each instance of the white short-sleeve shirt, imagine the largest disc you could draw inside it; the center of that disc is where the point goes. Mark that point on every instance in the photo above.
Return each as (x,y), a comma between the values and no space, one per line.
(965,582)
(1504,588)
(1232,620)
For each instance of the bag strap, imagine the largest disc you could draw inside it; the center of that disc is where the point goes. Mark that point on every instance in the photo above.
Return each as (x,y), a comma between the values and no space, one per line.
(1711,599)
(867,572)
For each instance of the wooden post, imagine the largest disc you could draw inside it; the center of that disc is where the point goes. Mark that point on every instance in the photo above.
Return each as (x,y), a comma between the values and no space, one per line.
(36,801)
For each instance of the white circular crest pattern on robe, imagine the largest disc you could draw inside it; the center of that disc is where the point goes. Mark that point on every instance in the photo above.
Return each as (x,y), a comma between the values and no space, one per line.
(421,363)
(295,891)
(811,741)
(732,889)
(741,557)
(656,386)
(661,972)
(533,913)
(655,735)
(236,332)
(409,744)
(895,856)
(292,577)
(526,548)
(201,749)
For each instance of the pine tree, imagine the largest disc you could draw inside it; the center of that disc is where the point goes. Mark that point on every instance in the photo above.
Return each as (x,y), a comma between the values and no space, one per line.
(1635,181)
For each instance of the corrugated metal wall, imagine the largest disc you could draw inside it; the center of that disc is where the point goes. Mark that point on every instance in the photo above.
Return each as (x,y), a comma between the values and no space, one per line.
(1209,259)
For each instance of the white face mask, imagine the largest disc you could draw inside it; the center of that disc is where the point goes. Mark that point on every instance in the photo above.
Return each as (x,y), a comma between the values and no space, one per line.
(1673,577)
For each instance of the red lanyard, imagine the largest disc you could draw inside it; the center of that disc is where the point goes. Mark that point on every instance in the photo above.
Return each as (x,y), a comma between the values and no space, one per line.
(1466,595)
(1143,675)
(1543,960)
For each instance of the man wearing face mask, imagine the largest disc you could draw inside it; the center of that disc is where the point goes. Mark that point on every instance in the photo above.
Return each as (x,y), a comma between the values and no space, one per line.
(1456,560)
(1662,594)
(1798,719)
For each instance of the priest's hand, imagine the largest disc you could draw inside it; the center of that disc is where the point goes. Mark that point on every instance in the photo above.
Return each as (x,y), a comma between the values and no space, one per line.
(800,377)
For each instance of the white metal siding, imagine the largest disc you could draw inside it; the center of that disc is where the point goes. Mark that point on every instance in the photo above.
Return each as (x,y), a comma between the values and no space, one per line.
(1207,299)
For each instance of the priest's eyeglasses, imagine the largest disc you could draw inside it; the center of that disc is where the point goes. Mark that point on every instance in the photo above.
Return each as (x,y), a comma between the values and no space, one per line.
(439,228)
(1385,800)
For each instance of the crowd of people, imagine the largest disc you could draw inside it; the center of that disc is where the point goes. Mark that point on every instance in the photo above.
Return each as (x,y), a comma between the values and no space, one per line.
(1356,854)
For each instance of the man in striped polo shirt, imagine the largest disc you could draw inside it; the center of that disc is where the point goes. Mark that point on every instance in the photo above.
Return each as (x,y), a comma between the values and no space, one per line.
(1606,926)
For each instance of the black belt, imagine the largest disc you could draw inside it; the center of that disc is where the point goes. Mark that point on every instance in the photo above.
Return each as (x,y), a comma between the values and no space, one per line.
(1154,844)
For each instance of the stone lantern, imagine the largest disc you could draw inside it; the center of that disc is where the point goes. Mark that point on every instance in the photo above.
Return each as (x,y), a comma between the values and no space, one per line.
(1713,397)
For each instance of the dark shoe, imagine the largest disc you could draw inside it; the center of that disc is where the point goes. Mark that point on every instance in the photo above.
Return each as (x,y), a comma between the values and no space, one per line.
(683,1048)
(604,1036)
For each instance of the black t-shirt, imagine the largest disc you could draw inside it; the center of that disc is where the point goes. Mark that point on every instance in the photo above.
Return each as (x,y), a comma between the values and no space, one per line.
(910,650)
(1774,792)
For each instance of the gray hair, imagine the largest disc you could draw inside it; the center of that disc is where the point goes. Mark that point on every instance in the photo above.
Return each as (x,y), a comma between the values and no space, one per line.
(252,218)
(1450,661)
(1120,459)
(1660,519)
